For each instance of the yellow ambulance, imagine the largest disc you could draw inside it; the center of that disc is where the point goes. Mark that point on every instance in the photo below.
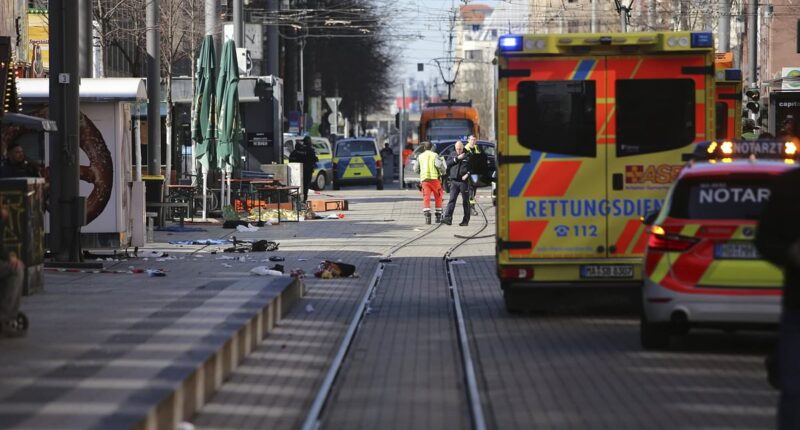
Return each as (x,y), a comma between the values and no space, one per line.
(592,130)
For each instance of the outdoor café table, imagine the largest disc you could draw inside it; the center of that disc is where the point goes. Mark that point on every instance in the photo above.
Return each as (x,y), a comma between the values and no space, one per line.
(246,188)
(270,191)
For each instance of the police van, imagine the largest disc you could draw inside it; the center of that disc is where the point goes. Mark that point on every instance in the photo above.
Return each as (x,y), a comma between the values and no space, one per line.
(592,130)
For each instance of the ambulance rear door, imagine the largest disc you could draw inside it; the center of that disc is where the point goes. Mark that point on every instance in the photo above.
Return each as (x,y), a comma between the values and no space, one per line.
(657,106)
(552,168)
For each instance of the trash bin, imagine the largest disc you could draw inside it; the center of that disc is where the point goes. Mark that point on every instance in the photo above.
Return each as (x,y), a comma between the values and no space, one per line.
(23,232)
(154,196)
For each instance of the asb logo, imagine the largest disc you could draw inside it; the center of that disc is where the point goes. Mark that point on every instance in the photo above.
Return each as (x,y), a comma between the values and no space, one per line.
(652,174)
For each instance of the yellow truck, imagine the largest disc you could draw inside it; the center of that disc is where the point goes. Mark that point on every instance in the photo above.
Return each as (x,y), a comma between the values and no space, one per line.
(592,130)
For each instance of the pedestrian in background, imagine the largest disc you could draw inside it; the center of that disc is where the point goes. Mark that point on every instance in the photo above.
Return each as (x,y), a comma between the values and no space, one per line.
(458,173)
(17,164)
(430,168)
(306,155)
(475,153)
(778,240)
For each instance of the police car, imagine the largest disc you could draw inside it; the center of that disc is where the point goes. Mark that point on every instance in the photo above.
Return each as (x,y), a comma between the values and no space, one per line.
(357,161)
(701,265)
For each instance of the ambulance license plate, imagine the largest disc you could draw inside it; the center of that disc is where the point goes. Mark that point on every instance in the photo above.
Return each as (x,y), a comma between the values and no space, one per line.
(616,271)
(736,251)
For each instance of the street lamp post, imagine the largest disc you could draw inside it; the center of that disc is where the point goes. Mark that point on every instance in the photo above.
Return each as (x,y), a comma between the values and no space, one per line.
(624,10)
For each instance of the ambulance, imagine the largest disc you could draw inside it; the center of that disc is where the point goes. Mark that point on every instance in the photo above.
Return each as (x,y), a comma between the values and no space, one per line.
(728,103)
(592,130)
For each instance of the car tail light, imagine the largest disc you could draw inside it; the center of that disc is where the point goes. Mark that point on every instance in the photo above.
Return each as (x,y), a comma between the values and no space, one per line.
(516,273)
(379,163)
(659,240)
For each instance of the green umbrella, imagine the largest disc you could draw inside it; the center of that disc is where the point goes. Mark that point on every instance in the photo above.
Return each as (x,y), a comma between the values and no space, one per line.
(229,122)
(203,107)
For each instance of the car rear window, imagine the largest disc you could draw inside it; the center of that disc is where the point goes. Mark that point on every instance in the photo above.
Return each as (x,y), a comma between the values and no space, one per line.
(449,128)
(735,197)
(321,148)
(355,148)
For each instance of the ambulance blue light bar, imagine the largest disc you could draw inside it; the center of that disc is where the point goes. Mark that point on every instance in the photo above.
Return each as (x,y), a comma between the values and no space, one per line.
(702,40)
(511,43)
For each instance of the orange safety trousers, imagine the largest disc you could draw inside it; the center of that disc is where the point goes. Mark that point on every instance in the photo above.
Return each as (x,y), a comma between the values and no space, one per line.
(432,187)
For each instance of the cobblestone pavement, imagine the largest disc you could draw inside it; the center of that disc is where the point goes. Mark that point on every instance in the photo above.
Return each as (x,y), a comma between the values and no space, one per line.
(571,370)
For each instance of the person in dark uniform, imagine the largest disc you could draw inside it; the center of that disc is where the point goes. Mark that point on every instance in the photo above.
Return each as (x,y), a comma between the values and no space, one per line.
(17,165)
(778,240)
(306,155)
(458,172)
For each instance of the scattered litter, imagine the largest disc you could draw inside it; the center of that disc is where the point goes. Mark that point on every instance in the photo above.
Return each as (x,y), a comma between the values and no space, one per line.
(242,259)
(265,245)
(385,260)
(226,265)
(417,229)
(185,426)
(302,259)
(179,229)
(334,216)
(264,271)
(153,254)
(297,273)
(328,269)
(309,308)
(155,272)
(225,257)
(277,267)
(250,228)
(276,258)
(201,242)
(457,261)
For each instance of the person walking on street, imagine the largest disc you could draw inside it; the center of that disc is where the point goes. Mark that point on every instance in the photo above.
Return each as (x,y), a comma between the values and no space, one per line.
(11,277)
(429,166)
(472,149)
(306,155)
(458,172)
(778,240)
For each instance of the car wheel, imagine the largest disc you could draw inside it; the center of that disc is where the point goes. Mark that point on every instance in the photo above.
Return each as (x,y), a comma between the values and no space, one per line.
(320,181)
(653,335)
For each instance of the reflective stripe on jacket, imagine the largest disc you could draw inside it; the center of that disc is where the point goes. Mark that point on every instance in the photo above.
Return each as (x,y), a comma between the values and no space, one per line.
(427,166)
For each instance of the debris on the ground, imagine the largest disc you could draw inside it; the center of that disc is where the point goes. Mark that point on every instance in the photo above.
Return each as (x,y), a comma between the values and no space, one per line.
(226,265)
(297,273)
(249,228)
(265,271)
(328,269)
(153,254)
(155,272)
(277,267)
(385,260)
(309,308)
(276,258)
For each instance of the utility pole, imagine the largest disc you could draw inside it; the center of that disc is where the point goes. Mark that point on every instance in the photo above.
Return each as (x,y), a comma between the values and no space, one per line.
(752,42)
(238,24)
(724,26)
(651,14)
(212,22)
(153,88)
(85,45)
(65,200)
(272,39)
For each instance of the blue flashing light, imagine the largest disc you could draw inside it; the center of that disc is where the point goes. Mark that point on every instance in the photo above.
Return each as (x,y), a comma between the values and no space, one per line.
(510,43)
(733,74)
(702,40)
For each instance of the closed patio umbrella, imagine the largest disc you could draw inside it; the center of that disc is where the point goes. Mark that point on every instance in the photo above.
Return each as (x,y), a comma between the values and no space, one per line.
(229,123)
(204,113)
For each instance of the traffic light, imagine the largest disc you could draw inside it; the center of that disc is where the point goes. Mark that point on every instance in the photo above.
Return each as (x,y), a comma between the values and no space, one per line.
(753,99)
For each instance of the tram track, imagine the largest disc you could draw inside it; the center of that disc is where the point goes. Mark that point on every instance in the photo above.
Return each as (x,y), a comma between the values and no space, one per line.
(312,420)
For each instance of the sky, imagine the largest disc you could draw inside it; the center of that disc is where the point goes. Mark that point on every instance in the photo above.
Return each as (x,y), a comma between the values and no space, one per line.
(422,28)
